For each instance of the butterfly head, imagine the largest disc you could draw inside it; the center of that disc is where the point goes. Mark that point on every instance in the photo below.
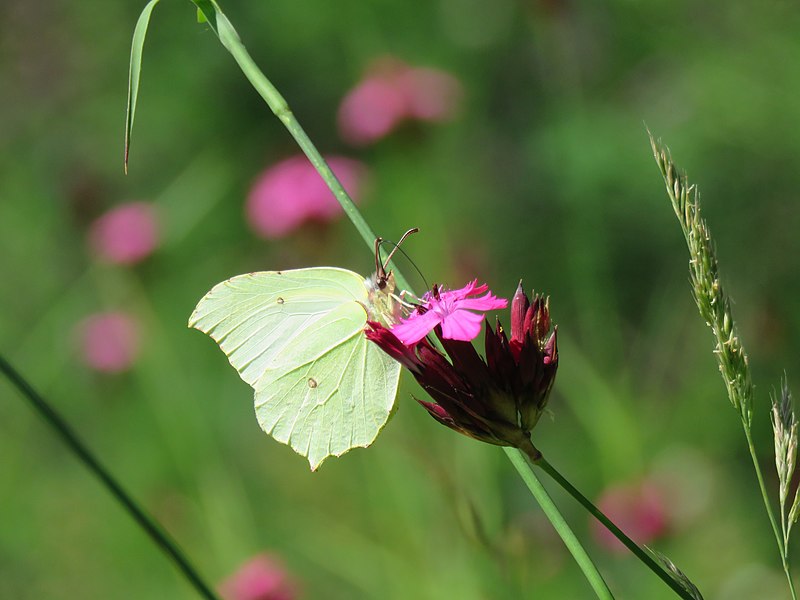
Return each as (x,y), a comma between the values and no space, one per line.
(382,279)
(381,284)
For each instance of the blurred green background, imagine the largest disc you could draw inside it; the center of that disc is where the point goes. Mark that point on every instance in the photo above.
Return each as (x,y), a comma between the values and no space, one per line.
(546,174)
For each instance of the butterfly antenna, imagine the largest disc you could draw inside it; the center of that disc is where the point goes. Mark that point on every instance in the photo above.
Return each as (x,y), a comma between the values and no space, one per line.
(380,269)
(408,258)
(397,246)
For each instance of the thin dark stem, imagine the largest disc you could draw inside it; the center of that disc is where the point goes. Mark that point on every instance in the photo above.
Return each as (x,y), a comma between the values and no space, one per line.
(71,439)
(593,576)
(637,550)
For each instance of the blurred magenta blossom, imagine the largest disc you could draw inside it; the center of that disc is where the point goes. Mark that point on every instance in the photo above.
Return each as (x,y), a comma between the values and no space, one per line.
(392,92)
(291,193)
(125,234)
(638,509)
(109,341)
(263,577)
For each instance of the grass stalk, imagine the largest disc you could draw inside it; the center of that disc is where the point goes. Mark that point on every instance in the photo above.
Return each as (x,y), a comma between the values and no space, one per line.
(521,464)
(715,308)
(229,38)
(635,549)
(150,526)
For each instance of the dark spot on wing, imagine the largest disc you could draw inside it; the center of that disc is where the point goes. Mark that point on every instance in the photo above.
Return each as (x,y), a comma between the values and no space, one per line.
(280,300)
(312,383)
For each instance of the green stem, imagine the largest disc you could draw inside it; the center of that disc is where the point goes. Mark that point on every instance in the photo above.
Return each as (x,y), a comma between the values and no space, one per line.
(768,506)
(585,563)
(784,532)
(788,573)
(277,103)
(640,553)
(785,556)
(789,578)
(145,521)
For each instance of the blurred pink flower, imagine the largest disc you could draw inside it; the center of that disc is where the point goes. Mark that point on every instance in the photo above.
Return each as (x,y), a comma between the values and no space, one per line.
(638,509)
(263,577)
(126,234)
(109,341)
(291,193)
(392,92)
(371,110)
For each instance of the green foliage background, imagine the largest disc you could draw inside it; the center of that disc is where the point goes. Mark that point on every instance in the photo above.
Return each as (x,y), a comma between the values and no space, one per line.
(546,175)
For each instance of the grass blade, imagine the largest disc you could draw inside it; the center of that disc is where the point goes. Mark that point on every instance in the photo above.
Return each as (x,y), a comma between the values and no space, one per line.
(78,447)
(139,33)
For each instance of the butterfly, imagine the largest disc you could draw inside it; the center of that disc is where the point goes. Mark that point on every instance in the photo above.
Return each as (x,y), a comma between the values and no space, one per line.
(297,337)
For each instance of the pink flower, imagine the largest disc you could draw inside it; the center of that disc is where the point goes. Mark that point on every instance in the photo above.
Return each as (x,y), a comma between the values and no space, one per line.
(126,234)
(291,193)
(638,509)
(452,310)
(391,93)
(497,398)
(371,110)
(263,577)
(109,341)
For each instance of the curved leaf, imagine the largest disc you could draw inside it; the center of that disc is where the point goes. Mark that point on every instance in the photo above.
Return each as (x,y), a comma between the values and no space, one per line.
(135,70)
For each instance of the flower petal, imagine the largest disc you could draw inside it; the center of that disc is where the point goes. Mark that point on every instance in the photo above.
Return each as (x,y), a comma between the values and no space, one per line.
(487,302)
(470,289)
(461,325)
(415,327)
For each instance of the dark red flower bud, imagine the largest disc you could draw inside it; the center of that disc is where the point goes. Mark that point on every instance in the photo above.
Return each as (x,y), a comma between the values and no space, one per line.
(519,308)
(497,399)
(540,320)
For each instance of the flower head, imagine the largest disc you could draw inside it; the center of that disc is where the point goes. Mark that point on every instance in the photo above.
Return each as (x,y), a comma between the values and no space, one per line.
(393,92)
(126,234)
(497,399)
(109,341)
(263,577)
(291,193)
(452,310)
(371,110)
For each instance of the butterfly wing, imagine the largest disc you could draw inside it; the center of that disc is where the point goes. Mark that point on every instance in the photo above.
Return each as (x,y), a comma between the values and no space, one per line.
(297,338)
